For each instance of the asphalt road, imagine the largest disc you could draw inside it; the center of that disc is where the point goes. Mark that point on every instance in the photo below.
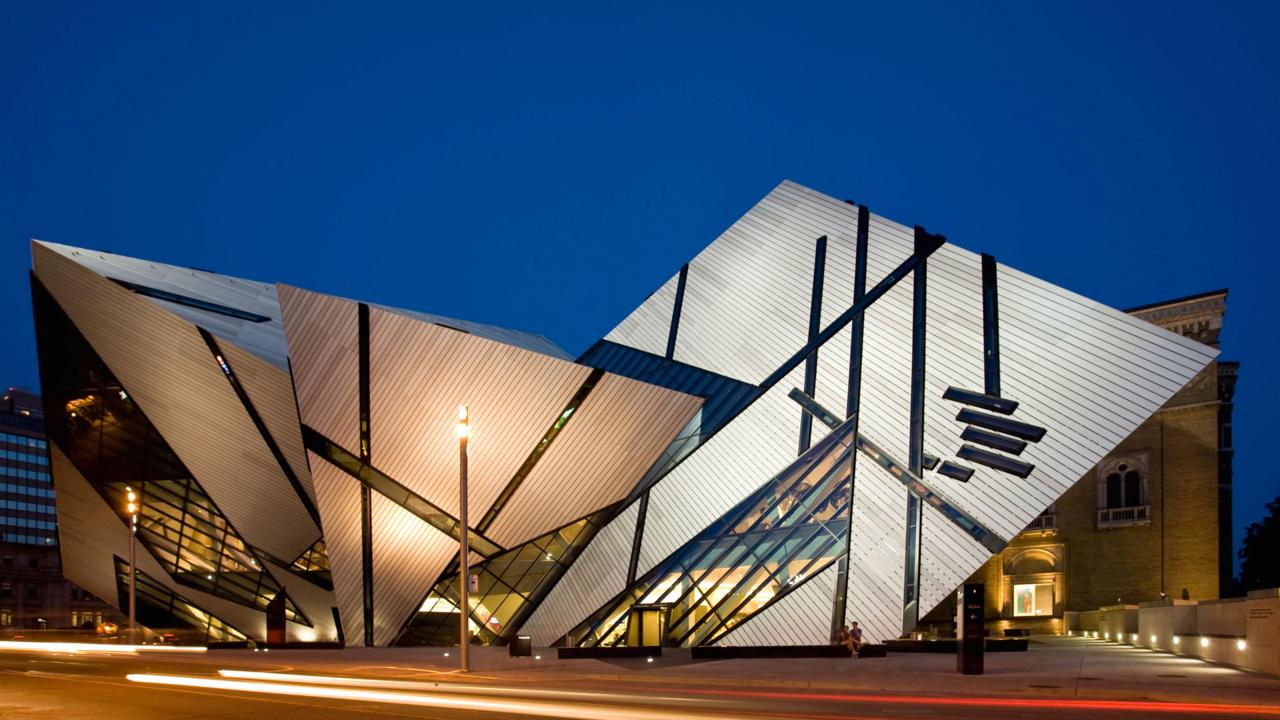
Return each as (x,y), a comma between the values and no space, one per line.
(72,686)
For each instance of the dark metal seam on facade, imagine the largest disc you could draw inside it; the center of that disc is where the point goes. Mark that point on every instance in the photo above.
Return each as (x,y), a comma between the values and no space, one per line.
(675,311)
(915,450)
(923,250)
(854,398)
(1013,466)
(637,539)
(366,500)
(815,322)
(526,468)
(258,423)
(390,488)
(990,326)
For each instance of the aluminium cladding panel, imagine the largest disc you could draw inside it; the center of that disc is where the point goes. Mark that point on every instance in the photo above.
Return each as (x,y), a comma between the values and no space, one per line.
(265,339)
(271,391)
(801,617)
(314,601)
(741,457)
(747,295)
(420,373)
(616,435)
(408,556)
(598,574)
(166,367)
(876,552)
(338,500)
(1088,374)
(648,326)
(324,354)
(91,536)
(528,341)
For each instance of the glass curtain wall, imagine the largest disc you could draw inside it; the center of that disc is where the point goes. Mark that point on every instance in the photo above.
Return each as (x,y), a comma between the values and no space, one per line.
(95,422)
(161,609)
(790,529)
(511,586)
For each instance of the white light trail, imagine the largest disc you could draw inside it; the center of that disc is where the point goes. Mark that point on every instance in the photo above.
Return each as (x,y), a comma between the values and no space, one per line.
(576,711)
(419,686)
(66,647)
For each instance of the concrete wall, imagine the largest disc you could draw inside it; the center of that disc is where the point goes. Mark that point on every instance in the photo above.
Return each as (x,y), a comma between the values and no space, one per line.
(1244,632)
(1118,622)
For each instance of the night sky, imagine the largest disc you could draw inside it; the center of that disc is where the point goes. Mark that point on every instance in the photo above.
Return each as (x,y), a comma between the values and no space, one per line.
(545,166)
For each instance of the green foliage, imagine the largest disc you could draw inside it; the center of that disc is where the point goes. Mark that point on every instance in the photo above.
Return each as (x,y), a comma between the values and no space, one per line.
(1258,565)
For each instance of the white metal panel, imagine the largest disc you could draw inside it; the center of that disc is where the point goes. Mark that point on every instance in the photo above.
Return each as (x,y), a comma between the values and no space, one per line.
(741,457)
(170,373)
(338,500)
(598,574)
(801,617)
(648,326)
(270,390)
(324,354)
(91,536)
(514,395)
(527,341)
(617,434)
(408,557)
(265,339)
(876,553)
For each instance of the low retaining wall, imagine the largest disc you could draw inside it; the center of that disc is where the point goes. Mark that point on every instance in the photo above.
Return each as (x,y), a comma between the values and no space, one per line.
(1244,632)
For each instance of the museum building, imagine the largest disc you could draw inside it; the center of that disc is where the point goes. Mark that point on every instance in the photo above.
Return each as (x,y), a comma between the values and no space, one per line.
(824,416)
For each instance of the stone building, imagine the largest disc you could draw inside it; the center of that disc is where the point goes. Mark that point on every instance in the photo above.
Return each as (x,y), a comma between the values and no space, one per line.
(1153,517)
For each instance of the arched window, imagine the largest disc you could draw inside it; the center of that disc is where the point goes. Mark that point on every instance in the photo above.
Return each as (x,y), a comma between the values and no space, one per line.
(1123,484)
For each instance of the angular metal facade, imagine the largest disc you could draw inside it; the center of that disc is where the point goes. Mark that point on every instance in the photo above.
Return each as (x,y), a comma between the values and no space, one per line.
(824,416)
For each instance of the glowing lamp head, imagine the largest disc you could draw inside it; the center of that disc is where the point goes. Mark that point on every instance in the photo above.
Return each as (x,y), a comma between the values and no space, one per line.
(1204,642)
(1240,645)
(464,422)
(131,500)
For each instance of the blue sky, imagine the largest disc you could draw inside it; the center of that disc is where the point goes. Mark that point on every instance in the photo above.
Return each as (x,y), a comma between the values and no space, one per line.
(546,166)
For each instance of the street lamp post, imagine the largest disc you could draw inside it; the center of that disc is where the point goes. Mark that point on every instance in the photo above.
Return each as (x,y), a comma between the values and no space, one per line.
(464,577)
(132,508)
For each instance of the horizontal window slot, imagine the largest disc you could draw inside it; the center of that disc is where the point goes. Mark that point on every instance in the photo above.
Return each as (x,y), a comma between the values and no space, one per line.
(1010,445)
(956,471)
(191,302)
(1004,406)
(1000,424)
(1013,466)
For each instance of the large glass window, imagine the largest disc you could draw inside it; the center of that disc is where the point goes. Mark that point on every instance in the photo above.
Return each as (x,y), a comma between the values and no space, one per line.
(95,422)
(790,529)
(163,610)
(511,585)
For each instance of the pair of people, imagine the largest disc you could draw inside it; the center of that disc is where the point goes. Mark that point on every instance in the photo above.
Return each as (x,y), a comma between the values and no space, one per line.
(850,637)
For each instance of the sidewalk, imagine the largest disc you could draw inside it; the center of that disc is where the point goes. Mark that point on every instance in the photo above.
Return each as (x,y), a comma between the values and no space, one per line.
(1052,667)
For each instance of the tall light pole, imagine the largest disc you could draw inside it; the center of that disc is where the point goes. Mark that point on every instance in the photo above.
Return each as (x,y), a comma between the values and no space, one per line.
(132,508)
(464,577)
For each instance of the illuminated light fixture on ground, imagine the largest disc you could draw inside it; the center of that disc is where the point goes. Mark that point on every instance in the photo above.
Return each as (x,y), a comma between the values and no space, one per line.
(1240,645)
(1153,639)
(1204,642)
(1177,640)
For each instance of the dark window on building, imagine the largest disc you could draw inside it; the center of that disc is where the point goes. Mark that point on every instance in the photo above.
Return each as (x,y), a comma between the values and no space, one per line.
(33,563)
(1124,488)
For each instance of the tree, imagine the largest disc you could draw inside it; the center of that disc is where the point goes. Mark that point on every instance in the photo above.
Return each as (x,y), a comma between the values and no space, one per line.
(1258,565)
